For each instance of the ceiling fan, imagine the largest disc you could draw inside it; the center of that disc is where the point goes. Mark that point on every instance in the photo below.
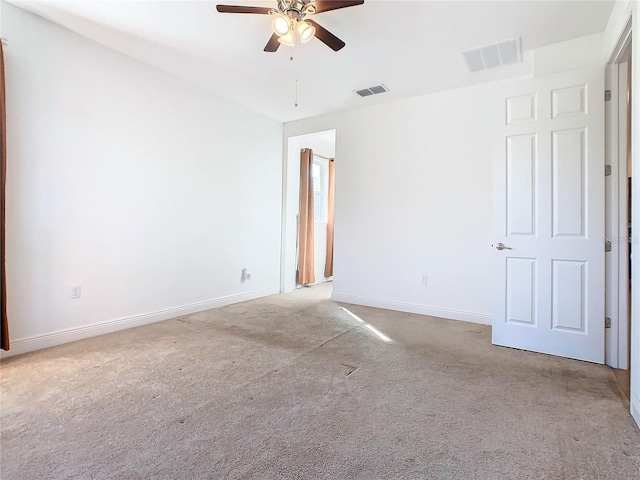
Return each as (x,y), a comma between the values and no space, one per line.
(291,22)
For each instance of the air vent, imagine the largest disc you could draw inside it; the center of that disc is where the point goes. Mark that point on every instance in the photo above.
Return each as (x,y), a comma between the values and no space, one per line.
(365,92)
(491,56)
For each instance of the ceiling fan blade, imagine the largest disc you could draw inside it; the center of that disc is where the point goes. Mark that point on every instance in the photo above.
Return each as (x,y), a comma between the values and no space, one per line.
(273,43)
(241,9)
(326,5)
(326,37)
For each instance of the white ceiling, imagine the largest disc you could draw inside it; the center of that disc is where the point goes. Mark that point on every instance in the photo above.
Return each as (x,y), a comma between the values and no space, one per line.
(413,47)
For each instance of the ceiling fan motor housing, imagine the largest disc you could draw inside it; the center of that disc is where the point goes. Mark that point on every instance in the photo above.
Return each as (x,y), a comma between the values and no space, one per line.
(296,8)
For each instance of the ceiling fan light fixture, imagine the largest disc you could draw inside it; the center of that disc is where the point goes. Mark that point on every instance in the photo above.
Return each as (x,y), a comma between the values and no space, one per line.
(289,39)
(281,24)
(305,31)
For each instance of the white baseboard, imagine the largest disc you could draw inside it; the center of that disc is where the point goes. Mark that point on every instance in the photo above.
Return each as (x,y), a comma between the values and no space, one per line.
(481,318)
(635,409)
(38,342)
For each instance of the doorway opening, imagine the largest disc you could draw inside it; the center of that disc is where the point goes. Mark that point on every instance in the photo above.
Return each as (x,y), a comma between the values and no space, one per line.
(322,145)
(619,213)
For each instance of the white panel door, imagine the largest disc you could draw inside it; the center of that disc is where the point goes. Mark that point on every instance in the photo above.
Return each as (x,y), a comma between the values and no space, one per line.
(549,216)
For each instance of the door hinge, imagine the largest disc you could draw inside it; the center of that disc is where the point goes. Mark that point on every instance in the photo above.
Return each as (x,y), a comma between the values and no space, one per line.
(607,245)
(607,322)
(607,95)
(607,170)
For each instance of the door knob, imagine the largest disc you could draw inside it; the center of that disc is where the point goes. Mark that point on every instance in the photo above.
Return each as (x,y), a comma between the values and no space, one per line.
(501,246)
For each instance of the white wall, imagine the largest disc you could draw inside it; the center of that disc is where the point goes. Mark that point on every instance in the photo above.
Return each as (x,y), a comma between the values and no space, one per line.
(571,55)
(413,197)
(414,194)
(150,193)
(622,11)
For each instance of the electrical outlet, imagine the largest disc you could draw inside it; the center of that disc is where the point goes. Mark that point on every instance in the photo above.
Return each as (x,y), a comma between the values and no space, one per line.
(245,274)
(424,280)
(75,291)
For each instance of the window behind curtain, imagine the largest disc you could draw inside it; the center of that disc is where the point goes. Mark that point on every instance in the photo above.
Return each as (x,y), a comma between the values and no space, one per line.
(320,173)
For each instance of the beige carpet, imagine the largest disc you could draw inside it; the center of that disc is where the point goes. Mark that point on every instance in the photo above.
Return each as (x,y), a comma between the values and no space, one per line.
(292,386)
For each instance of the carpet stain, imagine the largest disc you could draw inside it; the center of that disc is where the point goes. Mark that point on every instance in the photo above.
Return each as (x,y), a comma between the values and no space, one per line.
(349,369)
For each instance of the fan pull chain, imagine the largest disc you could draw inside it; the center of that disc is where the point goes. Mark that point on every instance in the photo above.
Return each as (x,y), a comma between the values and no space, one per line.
(295,70)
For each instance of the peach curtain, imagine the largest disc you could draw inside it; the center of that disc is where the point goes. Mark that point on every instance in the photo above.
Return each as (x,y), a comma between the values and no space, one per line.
(306,219)
(4,325)
(328,266)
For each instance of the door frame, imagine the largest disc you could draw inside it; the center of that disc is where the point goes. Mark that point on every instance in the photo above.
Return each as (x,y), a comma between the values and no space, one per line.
(618,33)
(616,212)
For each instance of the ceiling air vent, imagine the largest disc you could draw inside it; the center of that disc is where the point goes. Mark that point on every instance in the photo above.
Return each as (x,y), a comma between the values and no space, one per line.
(496,55)
(365,92)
